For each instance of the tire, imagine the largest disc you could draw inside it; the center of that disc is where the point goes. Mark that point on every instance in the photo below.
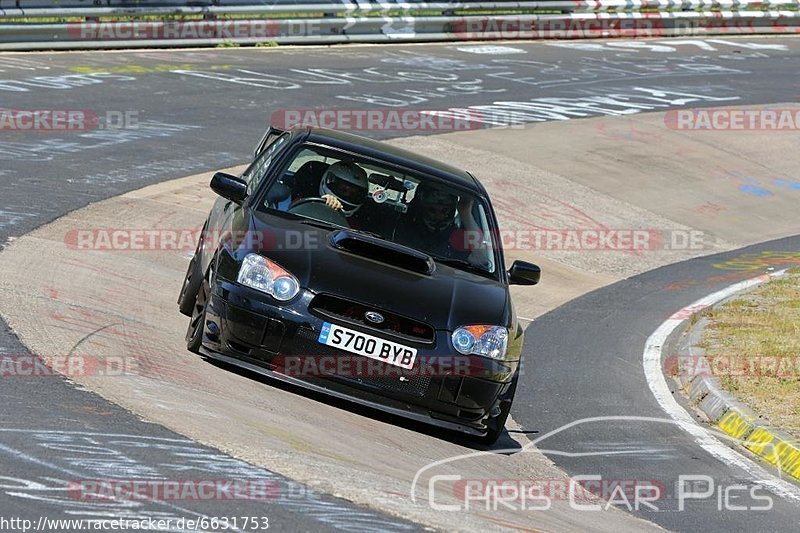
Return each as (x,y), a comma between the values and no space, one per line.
(191,284)
(197,322)
(496,426)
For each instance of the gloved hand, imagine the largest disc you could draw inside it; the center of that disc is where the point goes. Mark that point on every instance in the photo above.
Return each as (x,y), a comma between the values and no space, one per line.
(332,202)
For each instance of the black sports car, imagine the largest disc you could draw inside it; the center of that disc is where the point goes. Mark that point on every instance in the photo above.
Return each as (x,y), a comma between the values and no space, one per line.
(354,268)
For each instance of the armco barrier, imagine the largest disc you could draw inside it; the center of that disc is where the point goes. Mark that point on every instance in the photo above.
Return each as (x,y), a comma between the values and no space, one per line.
(82,24)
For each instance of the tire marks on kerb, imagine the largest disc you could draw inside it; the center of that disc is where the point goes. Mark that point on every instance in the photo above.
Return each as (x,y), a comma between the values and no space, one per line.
(651,361)
(108,456)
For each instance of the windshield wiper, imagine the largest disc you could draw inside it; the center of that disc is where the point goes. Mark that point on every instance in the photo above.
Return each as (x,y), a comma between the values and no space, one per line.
(463,264)
(370,233)
(320,223)
(330,225)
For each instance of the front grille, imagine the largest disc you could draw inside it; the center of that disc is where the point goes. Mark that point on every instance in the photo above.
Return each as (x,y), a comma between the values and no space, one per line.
(374,374)
(414,384)
(340,309)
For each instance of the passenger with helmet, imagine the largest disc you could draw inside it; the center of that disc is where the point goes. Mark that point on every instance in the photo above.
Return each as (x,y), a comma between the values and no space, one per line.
(432,226)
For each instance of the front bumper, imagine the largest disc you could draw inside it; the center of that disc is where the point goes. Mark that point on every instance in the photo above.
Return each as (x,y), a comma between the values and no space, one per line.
(253,331)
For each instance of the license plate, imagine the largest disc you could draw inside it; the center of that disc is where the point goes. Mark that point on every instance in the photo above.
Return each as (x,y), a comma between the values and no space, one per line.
(367,345)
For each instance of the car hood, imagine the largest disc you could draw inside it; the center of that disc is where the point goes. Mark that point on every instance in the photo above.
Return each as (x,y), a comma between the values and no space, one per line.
(446,298)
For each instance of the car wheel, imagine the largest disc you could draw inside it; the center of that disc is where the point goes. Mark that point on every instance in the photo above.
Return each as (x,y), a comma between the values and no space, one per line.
(191,285)
(197,324)
(496,425)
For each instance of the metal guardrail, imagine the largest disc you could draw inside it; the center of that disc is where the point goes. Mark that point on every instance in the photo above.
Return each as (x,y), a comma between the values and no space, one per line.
(84,24)
(102,8)
(49,8)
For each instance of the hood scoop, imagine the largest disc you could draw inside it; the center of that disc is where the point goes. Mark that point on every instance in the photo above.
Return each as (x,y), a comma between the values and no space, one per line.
(383,251)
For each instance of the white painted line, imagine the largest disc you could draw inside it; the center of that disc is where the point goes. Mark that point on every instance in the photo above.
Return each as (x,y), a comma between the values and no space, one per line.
(702,436)
(490,50)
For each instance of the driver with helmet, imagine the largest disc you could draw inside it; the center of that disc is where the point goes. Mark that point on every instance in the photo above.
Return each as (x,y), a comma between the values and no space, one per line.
(344,187)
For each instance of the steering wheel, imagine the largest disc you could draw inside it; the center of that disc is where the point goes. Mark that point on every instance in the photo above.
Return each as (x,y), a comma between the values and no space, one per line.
(312,200)
(317,208)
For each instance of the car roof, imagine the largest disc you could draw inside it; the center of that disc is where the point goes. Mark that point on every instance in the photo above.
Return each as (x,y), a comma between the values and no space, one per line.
(391,154)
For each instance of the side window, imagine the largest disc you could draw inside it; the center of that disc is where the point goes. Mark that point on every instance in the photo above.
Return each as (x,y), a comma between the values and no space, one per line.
(301,179)
(485,257)
(256,172)
(268,138)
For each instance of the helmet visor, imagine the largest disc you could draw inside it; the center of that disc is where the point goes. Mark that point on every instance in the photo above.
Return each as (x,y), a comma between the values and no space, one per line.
(439,215)
(346,191)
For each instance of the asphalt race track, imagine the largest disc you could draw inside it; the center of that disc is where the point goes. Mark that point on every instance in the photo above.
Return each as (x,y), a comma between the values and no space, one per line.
(200,110)
(597,342)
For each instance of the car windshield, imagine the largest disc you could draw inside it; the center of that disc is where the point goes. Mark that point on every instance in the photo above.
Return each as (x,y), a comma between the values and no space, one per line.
(330,188)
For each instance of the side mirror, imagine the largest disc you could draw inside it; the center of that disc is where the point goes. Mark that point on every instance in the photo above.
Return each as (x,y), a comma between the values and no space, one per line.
(522,273)
(230,187)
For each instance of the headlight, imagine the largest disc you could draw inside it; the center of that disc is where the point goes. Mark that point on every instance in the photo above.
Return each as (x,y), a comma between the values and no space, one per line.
(489,341)
(263,275)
